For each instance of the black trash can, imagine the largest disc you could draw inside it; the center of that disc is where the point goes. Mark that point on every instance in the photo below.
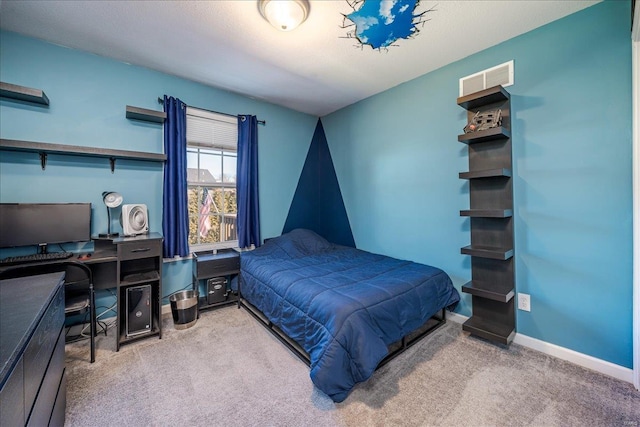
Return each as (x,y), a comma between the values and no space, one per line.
(184,308)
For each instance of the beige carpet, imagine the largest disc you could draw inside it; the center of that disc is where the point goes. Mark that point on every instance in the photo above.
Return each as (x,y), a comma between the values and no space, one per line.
(228,370)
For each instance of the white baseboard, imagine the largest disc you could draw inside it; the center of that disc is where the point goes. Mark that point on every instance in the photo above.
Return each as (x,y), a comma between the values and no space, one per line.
(456,318)
(166,309)
(580,359)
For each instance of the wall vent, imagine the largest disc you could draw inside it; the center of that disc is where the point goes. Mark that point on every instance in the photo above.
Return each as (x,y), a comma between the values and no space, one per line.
(499,75)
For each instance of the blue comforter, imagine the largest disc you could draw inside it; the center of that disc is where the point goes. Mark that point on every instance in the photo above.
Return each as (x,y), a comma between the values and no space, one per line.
(343,306)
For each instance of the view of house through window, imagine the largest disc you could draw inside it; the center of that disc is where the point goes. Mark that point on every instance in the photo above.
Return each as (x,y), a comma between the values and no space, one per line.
(211,179)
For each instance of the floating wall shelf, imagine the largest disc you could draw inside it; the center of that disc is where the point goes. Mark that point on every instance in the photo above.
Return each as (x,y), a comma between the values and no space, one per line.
(485,135)
(488,290)
(43,148)
(145,115)
(21,93)
(491,330)
(487,213)
(483,98)
(487,252)
(488,173)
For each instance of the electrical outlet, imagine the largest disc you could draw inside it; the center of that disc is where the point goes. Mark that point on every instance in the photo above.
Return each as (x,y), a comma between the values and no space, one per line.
(524,302)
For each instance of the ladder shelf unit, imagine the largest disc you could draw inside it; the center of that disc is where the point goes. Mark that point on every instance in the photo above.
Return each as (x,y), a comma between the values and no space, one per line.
(492,284)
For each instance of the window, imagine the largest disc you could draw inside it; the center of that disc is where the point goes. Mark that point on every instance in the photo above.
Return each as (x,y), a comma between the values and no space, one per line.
(212,141)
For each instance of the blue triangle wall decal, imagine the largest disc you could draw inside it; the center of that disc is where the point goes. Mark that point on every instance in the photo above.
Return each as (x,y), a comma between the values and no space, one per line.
(317,204)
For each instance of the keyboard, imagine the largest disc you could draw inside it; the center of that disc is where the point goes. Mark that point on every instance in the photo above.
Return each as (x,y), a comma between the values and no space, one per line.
(25,259)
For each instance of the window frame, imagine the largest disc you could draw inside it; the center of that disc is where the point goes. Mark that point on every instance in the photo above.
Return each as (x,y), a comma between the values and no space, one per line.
(225,151)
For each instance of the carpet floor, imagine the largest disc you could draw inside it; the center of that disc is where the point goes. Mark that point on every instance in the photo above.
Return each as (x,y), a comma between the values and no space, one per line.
(228,370)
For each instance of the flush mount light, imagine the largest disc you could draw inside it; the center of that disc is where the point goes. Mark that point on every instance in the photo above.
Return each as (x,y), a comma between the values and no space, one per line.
(285,15)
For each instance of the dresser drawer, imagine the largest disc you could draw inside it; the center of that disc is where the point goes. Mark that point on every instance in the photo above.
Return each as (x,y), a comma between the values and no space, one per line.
(12,399)
(46,399)
(217,266)
(40,347)
(59,408)
(141,249)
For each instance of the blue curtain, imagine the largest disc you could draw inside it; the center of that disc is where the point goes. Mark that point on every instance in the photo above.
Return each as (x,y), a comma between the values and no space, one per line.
(247,182)
(175,216)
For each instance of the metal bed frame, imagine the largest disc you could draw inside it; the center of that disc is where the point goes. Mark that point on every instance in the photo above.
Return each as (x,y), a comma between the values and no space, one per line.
(395,349)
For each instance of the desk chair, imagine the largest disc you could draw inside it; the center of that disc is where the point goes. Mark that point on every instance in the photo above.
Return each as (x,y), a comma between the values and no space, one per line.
(78,287)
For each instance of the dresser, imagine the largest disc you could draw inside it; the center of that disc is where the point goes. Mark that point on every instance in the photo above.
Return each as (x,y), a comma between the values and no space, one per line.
(32,359)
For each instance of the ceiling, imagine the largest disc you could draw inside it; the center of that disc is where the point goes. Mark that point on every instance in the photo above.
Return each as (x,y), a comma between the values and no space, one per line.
(313,69)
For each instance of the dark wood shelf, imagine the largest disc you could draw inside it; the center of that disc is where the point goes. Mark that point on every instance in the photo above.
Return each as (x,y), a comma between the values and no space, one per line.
(44,148)
(492,331)
(492,134)
(21,93)
(493,291)
(488,173)
(483,97)
(137,278)
(487,213)
(487,252)
(123,338)
(204,305)
(492,267)
(97,258)
(145,115)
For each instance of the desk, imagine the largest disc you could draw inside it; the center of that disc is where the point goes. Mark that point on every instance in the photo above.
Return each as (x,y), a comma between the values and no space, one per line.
(124,263)
(130,264)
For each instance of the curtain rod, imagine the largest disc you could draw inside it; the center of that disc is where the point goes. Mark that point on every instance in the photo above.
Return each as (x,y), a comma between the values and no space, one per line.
(260,122)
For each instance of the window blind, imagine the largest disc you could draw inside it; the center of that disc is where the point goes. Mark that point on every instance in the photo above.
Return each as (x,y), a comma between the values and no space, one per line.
(212,130)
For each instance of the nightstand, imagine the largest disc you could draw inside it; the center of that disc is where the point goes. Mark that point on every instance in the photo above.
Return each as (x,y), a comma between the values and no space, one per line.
(212,276)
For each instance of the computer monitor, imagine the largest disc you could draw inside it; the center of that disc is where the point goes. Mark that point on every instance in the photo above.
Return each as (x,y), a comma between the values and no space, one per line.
(28,224)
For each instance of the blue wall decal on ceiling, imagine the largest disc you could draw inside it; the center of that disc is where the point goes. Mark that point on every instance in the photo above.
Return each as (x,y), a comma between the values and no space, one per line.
(380,23)
(317,204)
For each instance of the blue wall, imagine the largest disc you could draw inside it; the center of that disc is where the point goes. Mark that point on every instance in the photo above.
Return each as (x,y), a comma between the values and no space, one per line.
(88,95)
(317,203)
(397,159)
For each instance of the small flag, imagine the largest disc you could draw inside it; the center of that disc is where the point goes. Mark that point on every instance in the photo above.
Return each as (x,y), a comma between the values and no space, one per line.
(205,225)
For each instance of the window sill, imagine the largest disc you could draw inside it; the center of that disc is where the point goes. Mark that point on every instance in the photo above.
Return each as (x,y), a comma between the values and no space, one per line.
(201,249)
(232,244)
(177,258)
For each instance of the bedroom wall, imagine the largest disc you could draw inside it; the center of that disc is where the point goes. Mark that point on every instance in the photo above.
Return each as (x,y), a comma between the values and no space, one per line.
(397,159)
(317,203)
(88,95)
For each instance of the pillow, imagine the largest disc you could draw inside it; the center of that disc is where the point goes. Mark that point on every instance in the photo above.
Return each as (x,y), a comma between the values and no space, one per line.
(301,242)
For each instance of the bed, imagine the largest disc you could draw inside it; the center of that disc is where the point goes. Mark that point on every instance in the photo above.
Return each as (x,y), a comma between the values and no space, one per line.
(341,309)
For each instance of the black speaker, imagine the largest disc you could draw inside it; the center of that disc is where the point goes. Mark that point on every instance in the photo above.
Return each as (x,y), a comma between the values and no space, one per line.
(138,316)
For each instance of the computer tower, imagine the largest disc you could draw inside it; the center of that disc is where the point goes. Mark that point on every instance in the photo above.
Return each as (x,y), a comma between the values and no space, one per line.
(216,290)
(138,314)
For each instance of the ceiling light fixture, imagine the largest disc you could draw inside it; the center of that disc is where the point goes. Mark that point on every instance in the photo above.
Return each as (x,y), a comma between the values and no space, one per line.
(285,15)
